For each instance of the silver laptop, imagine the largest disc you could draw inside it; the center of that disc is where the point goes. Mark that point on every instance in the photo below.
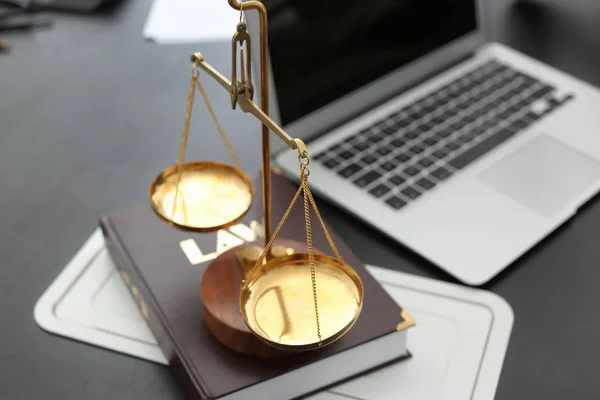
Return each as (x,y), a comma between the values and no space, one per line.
(466,152)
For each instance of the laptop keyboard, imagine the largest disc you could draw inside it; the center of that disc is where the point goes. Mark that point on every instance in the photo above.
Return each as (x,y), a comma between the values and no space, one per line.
(411,151)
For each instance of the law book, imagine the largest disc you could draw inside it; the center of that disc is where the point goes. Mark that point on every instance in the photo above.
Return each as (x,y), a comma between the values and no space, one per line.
(163,266)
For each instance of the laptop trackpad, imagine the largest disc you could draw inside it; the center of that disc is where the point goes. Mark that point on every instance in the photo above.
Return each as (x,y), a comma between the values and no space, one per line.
(544,175)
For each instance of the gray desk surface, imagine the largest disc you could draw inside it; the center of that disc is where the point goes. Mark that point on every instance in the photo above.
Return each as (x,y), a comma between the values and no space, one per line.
(90,112)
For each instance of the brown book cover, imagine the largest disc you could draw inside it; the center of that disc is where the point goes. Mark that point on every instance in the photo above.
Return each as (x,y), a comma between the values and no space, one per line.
(166,285)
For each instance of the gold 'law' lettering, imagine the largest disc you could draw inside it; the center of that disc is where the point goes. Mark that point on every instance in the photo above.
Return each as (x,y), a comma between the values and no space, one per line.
(226,238)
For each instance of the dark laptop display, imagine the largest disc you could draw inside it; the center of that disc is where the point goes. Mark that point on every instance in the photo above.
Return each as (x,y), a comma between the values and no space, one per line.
(322,50)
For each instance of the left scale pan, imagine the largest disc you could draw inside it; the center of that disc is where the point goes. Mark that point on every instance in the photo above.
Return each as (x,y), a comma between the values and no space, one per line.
(201,196)
(204,196)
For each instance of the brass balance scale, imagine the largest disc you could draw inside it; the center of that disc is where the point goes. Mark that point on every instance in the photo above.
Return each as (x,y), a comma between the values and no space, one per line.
(289,300)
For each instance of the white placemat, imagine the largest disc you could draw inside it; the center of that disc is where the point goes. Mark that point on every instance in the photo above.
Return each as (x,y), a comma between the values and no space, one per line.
(458,343)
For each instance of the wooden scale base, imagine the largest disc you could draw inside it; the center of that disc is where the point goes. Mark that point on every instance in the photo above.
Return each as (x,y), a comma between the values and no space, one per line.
(220,293)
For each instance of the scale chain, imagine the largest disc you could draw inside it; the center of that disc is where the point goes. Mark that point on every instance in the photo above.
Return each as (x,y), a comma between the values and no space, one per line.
(186,132)
(219,128)
(274,236)
(195,81)
(311,256)
(308,199)
(327,235)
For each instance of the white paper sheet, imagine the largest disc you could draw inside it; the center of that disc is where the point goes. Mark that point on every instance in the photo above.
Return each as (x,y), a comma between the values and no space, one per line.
(190,21)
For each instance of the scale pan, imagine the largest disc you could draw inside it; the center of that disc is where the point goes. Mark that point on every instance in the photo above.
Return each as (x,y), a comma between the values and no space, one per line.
(211,196)
(278,306)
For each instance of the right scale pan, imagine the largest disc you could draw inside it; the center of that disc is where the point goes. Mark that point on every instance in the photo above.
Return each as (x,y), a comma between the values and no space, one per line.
(278,304)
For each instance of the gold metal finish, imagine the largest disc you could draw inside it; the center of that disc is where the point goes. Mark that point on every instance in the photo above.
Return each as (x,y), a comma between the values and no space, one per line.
(408,322)
(244,99)
(280,251)
(204,195)
(278,303)
(211,196)
(219,128)
(264,102)
(252,254)
(241,37)
(275,298)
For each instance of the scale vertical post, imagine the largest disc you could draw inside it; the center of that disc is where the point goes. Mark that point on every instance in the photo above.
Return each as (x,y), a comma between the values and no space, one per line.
(264,95)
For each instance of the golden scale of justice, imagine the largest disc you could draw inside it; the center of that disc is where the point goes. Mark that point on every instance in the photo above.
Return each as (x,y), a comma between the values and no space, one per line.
(291,300)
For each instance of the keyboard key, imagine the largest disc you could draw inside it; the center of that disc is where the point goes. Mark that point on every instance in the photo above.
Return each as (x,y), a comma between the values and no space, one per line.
(425,183)
(388,166)
(398,142)
(479,129)
(481,148)
(379,190)
(380,125)
(331,163)
(401,121)
(333,148)
(396,180)
(396,126)
(411,193)
(542,91)
(427,126)
(487,125)
(320,156)
(438,120)
(463,139)
(457,126)
(554,102)
(426,162)
(362,146)
(411,171)
(419,130)
(521,123)
(377,137)
(415,113)
(440,153)
(412,135)
(368,159)
(495,120)
(384,151)
(441,174)
(417,149)
(449,113)
(504,98)
(395,202)
(567,98)
(467,119)
(469,135)
(525,102)
(540,107)
(367,179)
(445,133)
(388,130)
(505,114)
(532,116)
(454,145)
(432,140)
(346,155)
(511,128)
(350,170)
(402,157)
(487,108)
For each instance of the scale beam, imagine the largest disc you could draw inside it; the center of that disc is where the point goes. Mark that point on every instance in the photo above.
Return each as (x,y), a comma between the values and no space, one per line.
(244,99)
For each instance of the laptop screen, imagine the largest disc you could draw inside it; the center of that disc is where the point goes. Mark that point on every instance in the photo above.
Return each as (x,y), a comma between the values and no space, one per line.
(321,50)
